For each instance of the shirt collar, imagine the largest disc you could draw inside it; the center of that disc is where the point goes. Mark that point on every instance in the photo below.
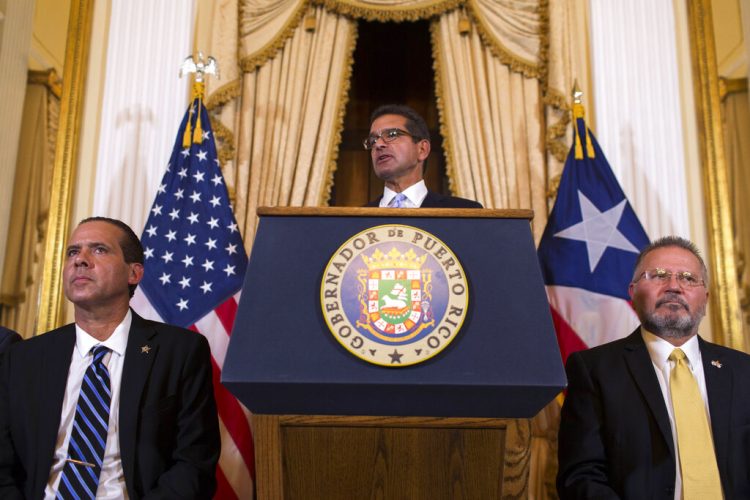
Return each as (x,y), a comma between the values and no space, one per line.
(659,349)
(116,342)
(415,193)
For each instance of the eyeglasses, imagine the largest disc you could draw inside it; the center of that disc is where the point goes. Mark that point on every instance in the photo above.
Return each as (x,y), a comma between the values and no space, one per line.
(388,135)
(661,276)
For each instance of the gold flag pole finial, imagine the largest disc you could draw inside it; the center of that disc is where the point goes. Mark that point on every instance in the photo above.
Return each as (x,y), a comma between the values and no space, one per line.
(579,112)
(201,67)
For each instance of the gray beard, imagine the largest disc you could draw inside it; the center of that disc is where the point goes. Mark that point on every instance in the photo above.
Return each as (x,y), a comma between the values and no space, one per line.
(671,327)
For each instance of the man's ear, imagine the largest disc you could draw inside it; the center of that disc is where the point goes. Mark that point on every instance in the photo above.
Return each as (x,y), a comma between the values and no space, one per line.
(136,273)
(424,149)
(631,290)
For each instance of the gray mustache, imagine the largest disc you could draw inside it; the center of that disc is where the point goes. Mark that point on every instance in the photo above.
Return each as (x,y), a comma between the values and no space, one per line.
(672,297)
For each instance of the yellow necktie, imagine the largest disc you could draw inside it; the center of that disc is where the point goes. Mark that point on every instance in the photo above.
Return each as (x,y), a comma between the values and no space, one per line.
(700,475)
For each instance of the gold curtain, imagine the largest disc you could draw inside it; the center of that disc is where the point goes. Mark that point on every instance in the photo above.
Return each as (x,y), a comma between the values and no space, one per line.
(503,68)
(736,116)
(490,121)
(31,193)
(288,124)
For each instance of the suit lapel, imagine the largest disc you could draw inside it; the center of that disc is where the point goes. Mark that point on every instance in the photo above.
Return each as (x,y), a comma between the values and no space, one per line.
(718,374)
(642,369)
(432,200)
(56,361)
(139,356)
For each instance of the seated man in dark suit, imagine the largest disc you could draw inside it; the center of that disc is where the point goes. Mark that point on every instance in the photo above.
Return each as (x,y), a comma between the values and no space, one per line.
(399,143)
(113,405)
(7,338)
(661,413)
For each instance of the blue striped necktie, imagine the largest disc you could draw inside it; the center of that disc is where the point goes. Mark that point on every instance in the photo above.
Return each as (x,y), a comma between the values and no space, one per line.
(80,476)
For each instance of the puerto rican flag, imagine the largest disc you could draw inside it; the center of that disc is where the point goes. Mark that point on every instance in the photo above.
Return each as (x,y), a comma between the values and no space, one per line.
(588,249)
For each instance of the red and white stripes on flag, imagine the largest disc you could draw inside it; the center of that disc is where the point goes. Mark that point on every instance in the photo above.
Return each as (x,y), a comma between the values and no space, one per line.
(236,472)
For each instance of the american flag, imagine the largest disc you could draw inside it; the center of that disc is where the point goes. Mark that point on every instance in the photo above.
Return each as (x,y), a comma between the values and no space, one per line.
(195,265)
(588,249)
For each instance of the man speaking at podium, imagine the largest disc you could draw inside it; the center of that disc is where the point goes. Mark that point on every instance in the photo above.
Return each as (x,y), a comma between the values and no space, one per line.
(399,144)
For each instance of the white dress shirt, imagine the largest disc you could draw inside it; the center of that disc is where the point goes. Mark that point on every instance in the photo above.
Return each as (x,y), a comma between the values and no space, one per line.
(415,195)
(111,479)
(659,350)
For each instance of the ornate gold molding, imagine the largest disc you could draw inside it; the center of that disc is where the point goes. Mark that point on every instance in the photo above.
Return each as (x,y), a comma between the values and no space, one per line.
(726,317)
(731,85)
(49,78)
(66,155)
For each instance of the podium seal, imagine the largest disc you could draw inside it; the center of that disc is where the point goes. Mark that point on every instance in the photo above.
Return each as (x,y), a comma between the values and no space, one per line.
(394,295)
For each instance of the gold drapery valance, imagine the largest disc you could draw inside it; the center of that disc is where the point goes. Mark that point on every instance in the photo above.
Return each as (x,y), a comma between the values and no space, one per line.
(513,30)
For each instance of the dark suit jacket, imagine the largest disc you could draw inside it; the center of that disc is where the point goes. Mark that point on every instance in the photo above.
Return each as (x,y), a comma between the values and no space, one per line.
(436,200)
(615,440)
(169,437)
(7,338)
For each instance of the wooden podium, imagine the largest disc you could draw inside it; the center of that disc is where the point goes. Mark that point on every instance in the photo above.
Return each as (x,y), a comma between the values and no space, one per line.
(329,425)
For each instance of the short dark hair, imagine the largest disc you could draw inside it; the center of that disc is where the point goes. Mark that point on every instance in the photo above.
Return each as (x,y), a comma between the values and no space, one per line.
(415,124)
(130,244)
(673,241)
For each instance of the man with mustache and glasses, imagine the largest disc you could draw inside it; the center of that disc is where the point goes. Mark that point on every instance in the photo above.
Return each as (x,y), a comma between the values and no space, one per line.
(399,143)
(661,413)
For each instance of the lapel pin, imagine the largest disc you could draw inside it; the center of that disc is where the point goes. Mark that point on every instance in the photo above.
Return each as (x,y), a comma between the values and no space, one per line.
(145,349)
(716,363)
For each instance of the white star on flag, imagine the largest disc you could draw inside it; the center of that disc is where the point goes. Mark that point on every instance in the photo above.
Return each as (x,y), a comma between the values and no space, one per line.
(598,230)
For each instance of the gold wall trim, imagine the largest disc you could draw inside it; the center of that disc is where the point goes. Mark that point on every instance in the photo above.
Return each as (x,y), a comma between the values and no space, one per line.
(727,315)
(49,79)
(731,86)
(66,156)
